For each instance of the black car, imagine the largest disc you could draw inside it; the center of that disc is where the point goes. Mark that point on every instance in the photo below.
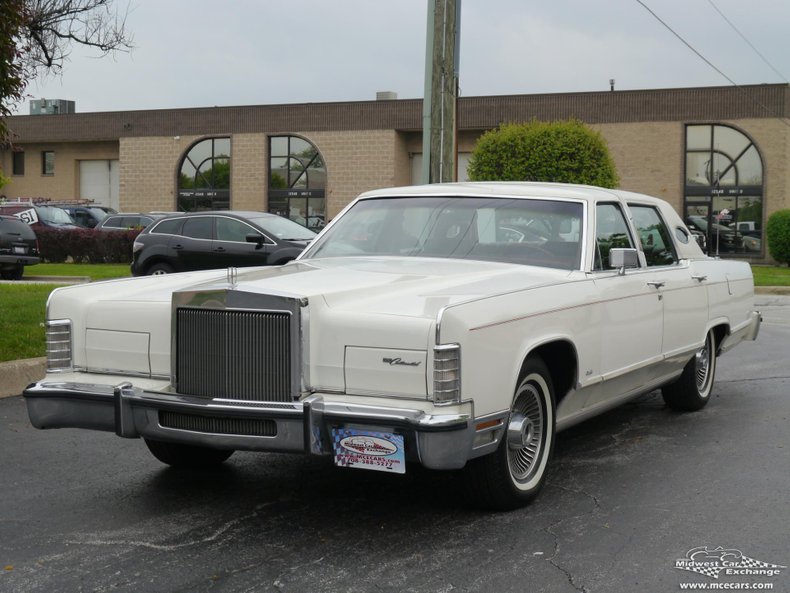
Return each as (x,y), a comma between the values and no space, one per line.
(18,247)
(209,240)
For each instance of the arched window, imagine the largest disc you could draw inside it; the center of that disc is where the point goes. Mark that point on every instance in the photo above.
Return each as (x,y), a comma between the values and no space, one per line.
(724,189)
(297,181)
(204,176)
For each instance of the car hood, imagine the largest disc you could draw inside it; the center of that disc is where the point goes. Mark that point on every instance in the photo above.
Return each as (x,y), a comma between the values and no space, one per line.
(415,287)
(349,299)
(397,286)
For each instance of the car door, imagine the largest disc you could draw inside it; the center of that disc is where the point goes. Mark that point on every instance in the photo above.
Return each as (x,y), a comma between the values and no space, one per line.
(192,248)
(684,297)
(628,310)
(230,247)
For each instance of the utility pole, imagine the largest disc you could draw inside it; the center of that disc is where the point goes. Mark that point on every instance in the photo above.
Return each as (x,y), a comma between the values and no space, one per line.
(439,137)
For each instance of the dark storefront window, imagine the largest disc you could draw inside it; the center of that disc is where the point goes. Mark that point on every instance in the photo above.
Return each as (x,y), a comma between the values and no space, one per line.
(204,176)
(18,165)
(724,189)
(297,181)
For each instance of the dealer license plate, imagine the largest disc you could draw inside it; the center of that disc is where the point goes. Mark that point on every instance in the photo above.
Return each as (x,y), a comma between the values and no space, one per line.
(20,249)
(367,449)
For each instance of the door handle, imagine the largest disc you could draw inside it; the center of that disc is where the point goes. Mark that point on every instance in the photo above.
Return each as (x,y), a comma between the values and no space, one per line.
(178,246)
(220,250)
(655,283)
(700,278)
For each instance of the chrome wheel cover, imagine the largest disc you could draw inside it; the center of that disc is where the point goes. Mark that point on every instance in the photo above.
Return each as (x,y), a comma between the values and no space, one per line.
(703,367)
(526,432)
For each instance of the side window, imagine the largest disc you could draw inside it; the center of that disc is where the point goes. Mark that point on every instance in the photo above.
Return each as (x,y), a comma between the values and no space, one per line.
(169,227)
(611,231)
(199,227)
(229,229)
(654,235)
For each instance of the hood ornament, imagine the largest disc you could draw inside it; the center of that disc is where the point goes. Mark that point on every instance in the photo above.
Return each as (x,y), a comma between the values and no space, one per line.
(233,275)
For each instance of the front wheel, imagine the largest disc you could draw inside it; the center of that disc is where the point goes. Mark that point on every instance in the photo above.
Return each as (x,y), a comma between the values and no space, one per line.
(160,269)
(187,456)
(514,474)
(692,390)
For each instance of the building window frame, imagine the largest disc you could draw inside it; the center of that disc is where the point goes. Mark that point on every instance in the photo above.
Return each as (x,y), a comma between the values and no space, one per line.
(204,172)
(719,202)
(48,162)
(297,180)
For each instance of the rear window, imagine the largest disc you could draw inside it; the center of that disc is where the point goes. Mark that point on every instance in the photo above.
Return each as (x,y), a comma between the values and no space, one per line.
(10,225)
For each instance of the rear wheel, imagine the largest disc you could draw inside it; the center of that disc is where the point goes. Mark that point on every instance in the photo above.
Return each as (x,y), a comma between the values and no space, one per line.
(187,456)
(692,390)
(160,269)
(514,474)
(13,274)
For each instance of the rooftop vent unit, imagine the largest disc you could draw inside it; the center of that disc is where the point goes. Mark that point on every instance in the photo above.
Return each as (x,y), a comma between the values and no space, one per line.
(51,106)
(386,96)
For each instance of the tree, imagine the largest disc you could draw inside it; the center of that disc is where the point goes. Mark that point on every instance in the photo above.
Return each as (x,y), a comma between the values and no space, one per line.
(562,151)
(37,36)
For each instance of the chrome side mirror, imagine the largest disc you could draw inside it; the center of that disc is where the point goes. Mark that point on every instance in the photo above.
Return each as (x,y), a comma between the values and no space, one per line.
(621,259)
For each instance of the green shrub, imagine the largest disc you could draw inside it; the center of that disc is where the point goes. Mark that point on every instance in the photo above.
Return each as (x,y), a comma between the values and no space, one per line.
(563,151)
(86,245)
(778,234)
(53,244)
(116,247)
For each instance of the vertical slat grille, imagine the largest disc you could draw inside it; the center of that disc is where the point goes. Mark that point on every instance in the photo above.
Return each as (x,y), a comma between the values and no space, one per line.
(263,427)
(244,355)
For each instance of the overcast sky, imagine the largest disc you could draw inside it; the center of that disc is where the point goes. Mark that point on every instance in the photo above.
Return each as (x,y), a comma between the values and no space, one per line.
(254,52)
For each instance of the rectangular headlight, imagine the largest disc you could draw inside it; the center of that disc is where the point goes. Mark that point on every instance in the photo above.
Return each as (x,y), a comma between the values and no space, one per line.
(59,355)
(447,374)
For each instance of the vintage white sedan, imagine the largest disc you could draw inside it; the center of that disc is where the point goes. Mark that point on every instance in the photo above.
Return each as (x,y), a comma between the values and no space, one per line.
(456,326)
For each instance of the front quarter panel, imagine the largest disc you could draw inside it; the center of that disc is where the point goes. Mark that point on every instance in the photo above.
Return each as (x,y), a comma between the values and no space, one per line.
(497,334)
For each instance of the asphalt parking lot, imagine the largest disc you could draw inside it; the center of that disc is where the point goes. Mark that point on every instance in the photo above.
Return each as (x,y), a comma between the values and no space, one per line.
(629,493)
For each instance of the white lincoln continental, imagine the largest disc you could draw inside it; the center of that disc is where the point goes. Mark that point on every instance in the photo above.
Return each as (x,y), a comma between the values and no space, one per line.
(451,325)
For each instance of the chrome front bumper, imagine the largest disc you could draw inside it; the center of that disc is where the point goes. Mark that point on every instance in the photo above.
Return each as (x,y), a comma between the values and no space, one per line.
(437,441)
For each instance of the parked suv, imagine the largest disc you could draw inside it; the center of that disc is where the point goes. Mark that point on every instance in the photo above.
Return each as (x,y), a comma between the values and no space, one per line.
(207,240)
(18,247)
(38,216)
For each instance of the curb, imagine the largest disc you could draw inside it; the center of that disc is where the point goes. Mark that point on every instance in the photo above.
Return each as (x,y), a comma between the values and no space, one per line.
(18,374)
(772,290)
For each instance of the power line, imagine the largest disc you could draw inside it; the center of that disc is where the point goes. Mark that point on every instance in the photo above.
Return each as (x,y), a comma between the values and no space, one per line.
(709,63)
(762,57)
(686,43)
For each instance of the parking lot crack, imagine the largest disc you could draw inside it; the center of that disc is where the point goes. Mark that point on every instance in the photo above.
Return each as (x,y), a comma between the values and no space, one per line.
(551,530)
(213,536)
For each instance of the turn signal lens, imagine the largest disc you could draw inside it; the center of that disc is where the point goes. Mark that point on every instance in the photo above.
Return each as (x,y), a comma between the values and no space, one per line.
(59,355)
(447,374)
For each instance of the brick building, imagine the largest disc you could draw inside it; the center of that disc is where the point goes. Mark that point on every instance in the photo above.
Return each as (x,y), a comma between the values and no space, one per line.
(705,150)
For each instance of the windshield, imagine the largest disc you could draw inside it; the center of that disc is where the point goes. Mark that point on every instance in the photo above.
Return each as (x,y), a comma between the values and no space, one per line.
(282,228)
(536,232)
(53,215)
